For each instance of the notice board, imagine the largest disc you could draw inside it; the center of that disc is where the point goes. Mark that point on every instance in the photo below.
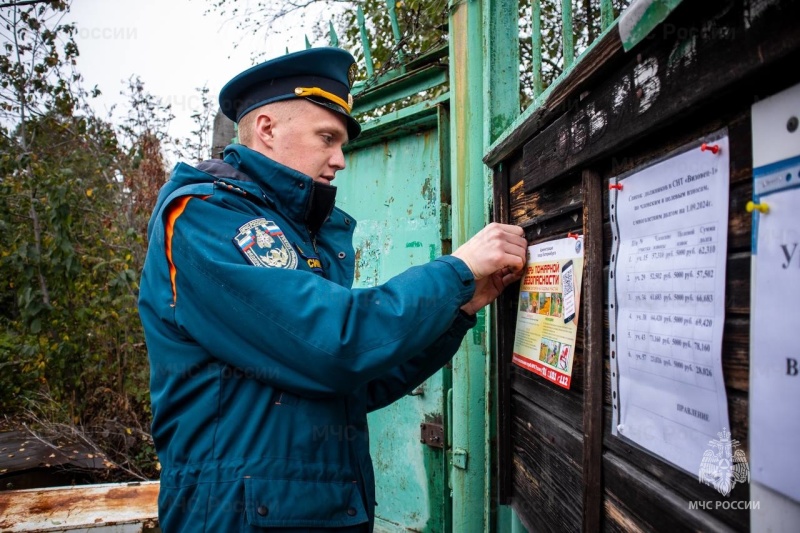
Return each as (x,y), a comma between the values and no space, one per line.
(559,464)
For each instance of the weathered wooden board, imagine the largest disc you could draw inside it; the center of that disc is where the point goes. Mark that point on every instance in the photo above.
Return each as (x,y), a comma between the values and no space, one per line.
(563,404)
(505,312)
(546,469)
(711,47)
(617,519)
(603,56)
(592,352)
(654,506)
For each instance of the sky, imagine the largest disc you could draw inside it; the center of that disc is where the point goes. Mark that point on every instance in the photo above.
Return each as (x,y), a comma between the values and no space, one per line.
(171,45)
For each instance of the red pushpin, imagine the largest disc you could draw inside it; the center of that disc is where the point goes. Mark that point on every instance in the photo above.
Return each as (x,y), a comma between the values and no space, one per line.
(572,235)
(713,148)
(617,186)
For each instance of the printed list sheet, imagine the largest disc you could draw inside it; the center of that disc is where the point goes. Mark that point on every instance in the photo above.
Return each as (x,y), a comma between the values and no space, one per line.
(667,304)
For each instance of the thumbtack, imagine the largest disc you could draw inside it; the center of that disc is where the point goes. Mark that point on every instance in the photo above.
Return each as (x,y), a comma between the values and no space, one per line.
(752,206)
(713,148)
(572,235)
(617,186)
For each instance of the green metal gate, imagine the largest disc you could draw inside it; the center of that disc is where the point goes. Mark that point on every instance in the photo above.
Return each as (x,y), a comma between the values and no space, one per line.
(416,184)
(395,185)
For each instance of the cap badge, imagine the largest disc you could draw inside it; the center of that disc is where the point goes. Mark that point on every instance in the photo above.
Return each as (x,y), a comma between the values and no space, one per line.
(351,74)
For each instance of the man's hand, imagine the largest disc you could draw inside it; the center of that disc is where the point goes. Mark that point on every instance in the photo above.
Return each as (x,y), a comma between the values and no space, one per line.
(496,256)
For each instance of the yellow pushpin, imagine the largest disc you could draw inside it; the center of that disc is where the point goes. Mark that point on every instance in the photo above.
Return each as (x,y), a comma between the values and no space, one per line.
(762,207)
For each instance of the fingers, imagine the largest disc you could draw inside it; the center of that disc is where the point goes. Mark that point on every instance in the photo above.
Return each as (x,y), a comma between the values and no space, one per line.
(509,277)
(515,246)
(490,287)
(495,247)
(516,249)
(508,228)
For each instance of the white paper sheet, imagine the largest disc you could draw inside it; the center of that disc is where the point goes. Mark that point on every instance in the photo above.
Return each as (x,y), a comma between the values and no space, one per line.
(668,276)
(775,296)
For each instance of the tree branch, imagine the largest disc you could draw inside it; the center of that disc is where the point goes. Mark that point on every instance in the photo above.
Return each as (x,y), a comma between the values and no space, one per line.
(25,3)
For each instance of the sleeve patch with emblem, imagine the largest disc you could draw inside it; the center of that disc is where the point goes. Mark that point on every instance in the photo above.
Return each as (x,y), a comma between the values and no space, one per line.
(263,243)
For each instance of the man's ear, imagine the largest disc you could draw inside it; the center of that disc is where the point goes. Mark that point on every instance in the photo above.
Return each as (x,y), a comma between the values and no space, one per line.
(263,126)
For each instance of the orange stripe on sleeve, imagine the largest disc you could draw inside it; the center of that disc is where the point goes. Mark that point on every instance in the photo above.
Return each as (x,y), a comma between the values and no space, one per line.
(175,211)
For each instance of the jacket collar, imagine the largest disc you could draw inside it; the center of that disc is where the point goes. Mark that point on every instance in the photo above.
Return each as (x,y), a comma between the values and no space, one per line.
(289,189)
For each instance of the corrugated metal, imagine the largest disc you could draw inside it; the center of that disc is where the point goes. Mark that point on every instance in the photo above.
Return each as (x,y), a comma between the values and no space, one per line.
(113,507)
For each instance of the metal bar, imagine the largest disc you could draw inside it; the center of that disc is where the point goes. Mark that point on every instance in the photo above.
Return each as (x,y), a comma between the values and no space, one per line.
(606,14)
(406,121)
(334,39)
(396,31)
(399,88)
(641,18)
(446,229)
(470,409)
(501,71)
(536,47)
(566,33)
(114,506)
(365,42)
(501,105)
(592,496)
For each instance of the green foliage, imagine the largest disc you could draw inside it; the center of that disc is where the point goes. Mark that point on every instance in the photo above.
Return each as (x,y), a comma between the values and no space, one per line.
(422,25)
(20,370)
(74,202)
(62,254)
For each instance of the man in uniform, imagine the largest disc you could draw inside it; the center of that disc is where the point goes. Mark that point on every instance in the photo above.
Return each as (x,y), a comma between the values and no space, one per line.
(264,361)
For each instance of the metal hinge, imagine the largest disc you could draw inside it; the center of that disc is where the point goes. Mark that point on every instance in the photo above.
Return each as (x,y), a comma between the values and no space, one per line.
(432,434)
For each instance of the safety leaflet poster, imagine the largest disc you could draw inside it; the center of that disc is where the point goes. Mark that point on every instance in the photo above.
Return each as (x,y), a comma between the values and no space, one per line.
(549,299)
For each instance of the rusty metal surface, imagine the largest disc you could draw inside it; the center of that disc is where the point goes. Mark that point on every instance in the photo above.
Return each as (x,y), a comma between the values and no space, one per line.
(432,434)
(108,507)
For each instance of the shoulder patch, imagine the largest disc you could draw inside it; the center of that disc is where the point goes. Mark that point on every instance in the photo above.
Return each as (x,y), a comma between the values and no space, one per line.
(263,244)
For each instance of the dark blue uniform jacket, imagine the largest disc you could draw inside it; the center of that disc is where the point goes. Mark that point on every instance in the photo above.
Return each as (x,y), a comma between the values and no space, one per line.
(265,362)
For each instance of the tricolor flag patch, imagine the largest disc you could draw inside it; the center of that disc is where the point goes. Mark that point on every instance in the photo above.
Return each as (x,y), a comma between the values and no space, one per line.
(263,243)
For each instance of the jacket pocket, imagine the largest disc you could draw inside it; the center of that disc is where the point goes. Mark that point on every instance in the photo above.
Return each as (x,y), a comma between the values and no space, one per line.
(298,503)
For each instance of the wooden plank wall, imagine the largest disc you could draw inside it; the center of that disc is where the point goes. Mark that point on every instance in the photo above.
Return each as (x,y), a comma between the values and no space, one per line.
(701,70)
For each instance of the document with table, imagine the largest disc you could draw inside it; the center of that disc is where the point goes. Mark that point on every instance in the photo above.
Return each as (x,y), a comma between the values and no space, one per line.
(667,302)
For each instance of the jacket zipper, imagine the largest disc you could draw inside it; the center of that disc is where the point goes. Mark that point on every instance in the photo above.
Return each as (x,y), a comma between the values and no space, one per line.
(313,238)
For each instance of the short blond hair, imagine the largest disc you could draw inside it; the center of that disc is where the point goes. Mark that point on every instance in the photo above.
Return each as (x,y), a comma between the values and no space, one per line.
(284,109)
